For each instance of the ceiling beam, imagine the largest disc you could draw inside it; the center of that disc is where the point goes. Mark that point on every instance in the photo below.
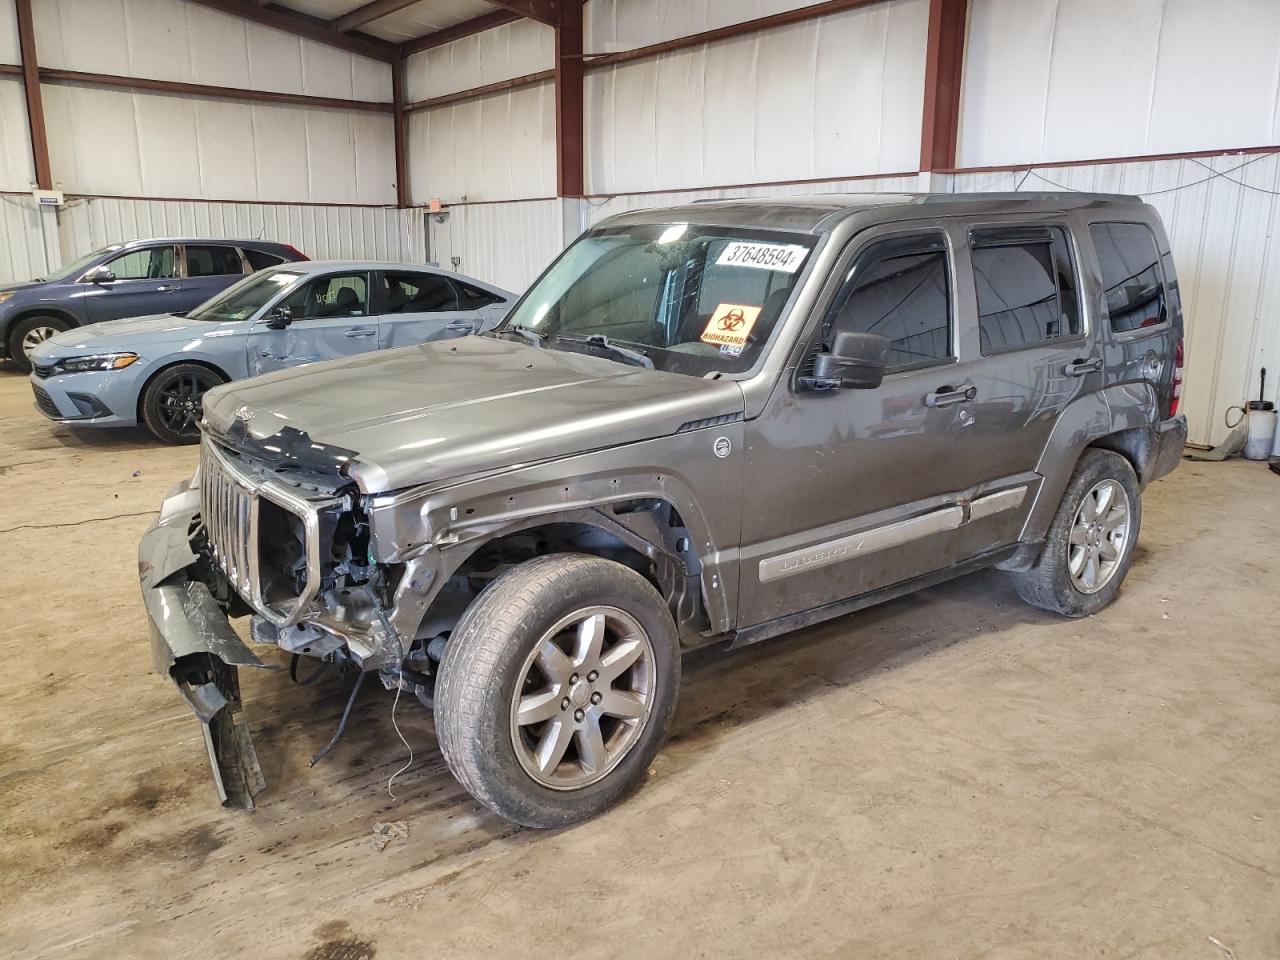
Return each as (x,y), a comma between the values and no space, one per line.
(305,26)
(544,11)
(459,30)
(370,11)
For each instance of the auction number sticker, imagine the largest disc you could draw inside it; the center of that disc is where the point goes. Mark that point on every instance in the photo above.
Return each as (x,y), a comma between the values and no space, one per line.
(783,257)
(730,325)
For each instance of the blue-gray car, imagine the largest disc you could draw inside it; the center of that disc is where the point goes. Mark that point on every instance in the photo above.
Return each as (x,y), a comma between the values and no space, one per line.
(127,280)
(154,370)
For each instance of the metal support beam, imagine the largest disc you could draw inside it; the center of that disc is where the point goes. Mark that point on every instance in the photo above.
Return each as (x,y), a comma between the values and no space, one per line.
(474,93)
(944,67)
(570,181)
(459,30)
(401,120)
(35,105)
(369,12)
(544,11)
(304,26)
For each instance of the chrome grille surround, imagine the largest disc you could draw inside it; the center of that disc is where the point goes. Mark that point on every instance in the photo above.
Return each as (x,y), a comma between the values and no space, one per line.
(229,506)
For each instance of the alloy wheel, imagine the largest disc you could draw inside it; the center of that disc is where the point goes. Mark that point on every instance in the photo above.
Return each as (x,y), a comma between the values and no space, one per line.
(1099,536)
(179,403)
(584,697)
(36,336)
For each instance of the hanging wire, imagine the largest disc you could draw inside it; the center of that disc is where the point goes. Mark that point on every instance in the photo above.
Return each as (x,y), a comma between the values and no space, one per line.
(1224,174)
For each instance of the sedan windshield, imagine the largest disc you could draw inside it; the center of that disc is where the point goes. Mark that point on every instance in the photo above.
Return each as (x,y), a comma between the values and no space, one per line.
(690,299)
(242,300)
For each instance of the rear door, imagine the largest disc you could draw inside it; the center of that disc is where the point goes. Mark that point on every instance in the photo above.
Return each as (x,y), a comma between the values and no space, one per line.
(417,306)
(209,268)
(330,318)
(1026,355)
(144,281)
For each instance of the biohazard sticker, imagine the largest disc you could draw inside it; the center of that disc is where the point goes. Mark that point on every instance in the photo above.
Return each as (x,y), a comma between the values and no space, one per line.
(730,325)
(784,257)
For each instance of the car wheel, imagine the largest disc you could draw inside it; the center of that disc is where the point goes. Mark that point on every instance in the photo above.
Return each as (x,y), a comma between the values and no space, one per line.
(171,402)
(1090,543)
(557,688)
(28,333)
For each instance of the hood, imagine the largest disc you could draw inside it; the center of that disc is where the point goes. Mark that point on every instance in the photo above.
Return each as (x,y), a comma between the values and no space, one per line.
(135,334)
(9,285)
(473,405)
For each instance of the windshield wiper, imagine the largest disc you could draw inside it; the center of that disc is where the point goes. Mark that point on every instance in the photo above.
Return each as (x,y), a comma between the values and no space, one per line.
(530,335)
(637,357)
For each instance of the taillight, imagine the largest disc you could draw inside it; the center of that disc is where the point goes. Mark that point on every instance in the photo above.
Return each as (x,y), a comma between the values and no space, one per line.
(296,252)
(1177,378)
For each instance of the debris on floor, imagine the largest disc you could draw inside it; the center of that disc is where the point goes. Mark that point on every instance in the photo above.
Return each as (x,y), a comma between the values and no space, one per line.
(384,833)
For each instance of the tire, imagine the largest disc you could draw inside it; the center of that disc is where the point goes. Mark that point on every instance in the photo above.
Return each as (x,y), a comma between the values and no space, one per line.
(496,647)
(1060,580)
(28,332)
(170,405)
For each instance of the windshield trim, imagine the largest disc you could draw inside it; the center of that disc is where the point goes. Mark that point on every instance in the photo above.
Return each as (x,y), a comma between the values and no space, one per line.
(607,227)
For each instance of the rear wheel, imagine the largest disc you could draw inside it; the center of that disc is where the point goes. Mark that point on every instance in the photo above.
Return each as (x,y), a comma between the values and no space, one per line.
(1090,543)
(172,402)
(557,689)
(28,333)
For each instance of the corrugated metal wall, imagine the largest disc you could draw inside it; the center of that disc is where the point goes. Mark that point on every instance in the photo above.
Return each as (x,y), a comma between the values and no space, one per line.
(34,241)
(505,243)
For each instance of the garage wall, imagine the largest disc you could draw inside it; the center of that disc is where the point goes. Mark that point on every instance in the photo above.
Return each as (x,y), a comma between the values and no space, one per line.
(1056,80)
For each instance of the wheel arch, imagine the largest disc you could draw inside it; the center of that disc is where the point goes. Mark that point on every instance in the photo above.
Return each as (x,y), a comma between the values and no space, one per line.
(36,310)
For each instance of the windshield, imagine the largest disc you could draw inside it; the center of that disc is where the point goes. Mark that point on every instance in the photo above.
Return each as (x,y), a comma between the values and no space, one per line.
(693,299)
(76,267)
(242,300)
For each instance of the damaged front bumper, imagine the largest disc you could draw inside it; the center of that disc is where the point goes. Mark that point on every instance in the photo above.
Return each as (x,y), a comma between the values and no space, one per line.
(193,644)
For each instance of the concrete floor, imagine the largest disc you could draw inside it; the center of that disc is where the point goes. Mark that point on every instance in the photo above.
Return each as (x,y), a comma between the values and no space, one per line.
(953,775)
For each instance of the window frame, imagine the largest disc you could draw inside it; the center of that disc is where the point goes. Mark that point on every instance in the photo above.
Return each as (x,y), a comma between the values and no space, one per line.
(381,293)
(181,254)
(369,287)
(118,255)
(1073,261)
(841,275)
(1138,333)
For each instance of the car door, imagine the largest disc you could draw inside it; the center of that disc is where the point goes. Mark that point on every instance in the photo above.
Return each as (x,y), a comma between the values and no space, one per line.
(140,281)
(850,490)
(418,305)
(328,317)
(209,268)
(1026,358)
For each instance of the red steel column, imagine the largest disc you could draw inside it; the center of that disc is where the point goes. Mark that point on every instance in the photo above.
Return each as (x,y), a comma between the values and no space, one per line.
(569,160)
(35,105)
(944,65)
(400,119)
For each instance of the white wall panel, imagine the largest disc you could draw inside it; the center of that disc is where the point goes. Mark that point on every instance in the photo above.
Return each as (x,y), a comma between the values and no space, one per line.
(508,244)
(188,42)
(1078,79)
(1223,221)
(16,172)
(9,52)
(514,50)
(624,24)
(498,147)
(120,143)
(836,96)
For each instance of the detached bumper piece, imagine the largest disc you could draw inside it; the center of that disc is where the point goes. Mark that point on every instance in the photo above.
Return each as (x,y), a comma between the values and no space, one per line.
(193,644)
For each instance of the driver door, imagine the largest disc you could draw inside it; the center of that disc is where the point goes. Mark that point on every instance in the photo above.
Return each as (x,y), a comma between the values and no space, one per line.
(329,319)
(145,281)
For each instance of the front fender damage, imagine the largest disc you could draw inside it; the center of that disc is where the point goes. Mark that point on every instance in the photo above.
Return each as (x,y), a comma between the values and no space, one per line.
(192,644)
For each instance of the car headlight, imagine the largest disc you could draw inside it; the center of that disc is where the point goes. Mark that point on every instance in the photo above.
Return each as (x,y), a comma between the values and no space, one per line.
(101,361)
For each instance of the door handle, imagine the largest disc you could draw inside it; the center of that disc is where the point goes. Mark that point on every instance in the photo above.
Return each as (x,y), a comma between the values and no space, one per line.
(461,326)
(165,287)
(946,396)
(356,333)
(1078,368)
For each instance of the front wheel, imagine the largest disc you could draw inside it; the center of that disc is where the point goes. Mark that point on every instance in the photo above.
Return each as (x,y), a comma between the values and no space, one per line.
(1090,543)
(28,333)
(172,402)
(557,688)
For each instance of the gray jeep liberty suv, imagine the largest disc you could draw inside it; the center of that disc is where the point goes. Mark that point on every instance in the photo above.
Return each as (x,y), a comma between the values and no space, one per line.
(708,424)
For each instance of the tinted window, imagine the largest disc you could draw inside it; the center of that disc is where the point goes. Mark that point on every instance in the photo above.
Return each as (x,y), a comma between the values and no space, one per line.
(260,261)
(899,289)
(1130,274)
(336,296)
(212,261)
(1026,287)
(417,293)
(473,298)
(151,263)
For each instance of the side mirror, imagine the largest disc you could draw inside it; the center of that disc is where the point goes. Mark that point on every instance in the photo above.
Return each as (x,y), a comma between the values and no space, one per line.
(101,275)
(280,318)
(856,360)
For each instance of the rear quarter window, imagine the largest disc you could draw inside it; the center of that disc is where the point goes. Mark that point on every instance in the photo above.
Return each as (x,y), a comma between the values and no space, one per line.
(259,260)
(1132,285)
